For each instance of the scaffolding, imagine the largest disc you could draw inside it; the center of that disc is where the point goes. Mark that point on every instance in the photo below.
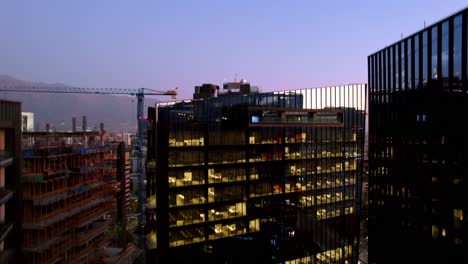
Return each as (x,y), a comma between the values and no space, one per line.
(70,187)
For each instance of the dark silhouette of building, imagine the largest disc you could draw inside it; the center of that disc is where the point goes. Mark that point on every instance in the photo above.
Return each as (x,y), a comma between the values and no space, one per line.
(205,91)
(256,177)
(10,182)
(418,152)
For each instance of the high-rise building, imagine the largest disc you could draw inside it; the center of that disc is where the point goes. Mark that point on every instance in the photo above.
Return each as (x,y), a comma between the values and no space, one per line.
(256,177)
(27,121)
(418,152)
(74,198)
(10,182)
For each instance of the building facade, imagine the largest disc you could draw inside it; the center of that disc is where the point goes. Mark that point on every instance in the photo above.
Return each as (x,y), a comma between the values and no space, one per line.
(74,197)
(418,148)
(10,184)
(27,121)
(256,177)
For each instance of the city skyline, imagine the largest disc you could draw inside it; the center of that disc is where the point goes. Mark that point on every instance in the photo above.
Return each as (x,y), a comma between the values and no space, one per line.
(167,45)
(342,126)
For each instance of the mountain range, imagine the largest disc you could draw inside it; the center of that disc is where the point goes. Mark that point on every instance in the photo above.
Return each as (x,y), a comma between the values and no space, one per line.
(117,112)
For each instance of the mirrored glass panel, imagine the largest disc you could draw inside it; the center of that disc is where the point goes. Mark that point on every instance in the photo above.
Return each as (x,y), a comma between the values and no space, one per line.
(424,58)
(397,67)
(403,65)
(457,48)
(408,63)
(416,62)
(378,80)
(390,66)
(385,70)
(434,53)
(445,51)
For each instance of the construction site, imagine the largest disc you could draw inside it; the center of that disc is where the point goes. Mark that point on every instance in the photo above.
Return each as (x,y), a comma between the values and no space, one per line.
(75,193)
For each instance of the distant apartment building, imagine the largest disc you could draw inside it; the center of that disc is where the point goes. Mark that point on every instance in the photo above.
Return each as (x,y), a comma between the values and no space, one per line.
(248,177)
(73,196)
(127,138)
(10,185)
(27,121)
(418,152)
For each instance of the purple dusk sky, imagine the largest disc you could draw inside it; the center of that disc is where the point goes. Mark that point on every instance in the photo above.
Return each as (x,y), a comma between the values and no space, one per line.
(275,44)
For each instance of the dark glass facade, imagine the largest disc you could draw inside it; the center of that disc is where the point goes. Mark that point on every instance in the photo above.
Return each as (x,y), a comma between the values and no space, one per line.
(418,147)
(10,182)
(256,178)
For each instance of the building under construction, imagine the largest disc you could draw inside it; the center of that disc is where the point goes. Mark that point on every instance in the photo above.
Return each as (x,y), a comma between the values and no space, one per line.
(74,197)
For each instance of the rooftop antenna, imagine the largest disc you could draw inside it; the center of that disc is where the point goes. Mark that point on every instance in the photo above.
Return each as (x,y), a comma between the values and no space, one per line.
(424,23)
(235,77)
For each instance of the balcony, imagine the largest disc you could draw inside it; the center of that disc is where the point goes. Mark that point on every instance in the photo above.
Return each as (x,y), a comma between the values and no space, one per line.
(118,255)
(96,229)
(89,250)
(6,159)
(5,195)
(41,246)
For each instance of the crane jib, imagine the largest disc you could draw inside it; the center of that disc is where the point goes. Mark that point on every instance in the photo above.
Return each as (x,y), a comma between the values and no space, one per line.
(102,91)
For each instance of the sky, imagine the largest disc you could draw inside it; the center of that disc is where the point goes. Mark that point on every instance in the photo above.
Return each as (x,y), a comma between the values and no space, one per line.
(274,44)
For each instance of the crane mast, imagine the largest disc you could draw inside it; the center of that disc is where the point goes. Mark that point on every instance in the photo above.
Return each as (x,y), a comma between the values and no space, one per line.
(139,93)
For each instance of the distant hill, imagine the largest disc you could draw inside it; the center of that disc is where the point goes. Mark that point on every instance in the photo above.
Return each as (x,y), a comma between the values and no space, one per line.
(118,113)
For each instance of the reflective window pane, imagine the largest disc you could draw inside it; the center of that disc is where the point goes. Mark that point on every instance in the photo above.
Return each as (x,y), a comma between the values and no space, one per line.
(408,63)
(372,73)
(445,50)
(397,68)
(385,70)
(402,65)
(382,70)
(416,62)
(457,47)
(390,65)
(424,58)
(374,67)
(377,66)
(434,53)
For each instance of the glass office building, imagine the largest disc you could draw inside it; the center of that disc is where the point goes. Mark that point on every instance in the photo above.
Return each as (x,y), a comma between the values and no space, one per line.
(418,148)
(256,177)
(10,182)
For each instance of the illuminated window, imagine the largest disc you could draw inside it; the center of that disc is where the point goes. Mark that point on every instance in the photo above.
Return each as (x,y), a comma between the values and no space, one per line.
(435,231)
(151,240)
(458,215)
(457,179)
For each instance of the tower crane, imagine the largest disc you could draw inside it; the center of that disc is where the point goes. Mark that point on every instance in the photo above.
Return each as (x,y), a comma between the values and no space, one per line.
(140,94)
